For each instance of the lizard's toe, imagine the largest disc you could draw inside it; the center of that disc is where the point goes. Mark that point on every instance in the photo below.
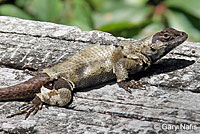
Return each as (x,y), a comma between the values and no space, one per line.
(32,107)
(28,108)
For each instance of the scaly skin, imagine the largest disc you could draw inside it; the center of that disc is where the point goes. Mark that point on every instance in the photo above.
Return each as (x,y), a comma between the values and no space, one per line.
(26,90)
(96,64)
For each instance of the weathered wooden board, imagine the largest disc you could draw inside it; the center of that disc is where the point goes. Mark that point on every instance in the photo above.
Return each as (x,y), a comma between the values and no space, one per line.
(171,99)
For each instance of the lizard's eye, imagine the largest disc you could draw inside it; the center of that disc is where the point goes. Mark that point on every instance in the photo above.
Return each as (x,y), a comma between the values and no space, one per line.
(166,35)
(163,36)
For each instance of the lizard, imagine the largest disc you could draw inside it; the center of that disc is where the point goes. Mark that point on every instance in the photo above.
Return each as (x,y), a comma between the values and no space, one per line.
(98,63)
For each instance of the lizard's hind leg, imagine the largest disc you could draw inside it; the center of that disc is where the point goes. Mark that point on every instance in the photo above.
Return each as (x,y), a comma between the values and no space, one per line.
(61,93)
(56,93)
(60,97)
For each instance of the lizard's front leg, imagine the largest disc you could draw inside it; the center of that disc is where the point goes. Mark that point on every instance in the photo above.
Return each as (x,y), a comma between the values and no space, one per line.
(129,65)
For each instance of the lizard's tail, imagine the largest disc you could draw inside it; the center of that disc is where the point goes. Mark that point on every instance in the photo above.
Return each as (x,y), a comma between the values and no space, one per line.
(25,90)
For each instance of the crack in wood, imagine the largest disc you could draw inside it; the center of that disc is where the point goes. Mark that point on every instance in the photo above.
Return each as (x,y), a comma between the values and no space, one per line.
(56,38)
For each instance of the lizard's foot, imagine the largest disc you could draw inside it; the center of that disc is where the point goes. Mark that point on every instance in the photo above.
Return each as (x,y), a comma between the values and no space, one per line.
(127,85)
(28,108)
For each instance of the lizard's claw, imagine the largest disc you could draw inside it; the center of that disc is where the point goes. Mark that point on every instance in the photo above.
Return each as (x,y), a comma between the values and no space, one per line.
(127,85)
(33,106)
(28,108)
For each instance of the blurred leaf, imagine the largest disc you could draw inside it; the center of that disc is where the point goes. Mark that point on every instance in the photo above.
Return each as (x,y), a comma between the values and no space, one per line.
(179,21)
(107,5)
(21,3)
(96,4)
(111,5)
(190,6)
(67,12)
(131,14)
(124,29)
(11,10)
(81,15)
(116,26)
(137,2)
(122,18)
(45,10)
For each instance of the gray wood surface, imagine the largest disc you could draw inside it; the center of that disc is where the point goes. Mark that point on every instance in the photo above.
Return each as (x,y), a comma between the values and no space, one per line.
(170,104)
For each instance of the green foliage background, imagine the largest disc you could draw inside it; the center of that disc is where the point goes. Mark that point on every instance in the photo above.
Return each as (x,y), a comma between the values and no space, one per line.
(126,18)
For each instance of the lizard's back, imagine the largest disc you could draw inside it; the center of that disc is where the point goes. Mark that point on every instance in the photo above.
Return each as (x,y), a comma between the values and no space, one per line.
(88,67)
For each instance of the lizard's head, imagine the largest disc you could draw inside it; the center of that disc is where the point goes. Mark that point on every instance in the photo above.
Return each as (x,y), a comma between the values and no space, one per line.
(163,42)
